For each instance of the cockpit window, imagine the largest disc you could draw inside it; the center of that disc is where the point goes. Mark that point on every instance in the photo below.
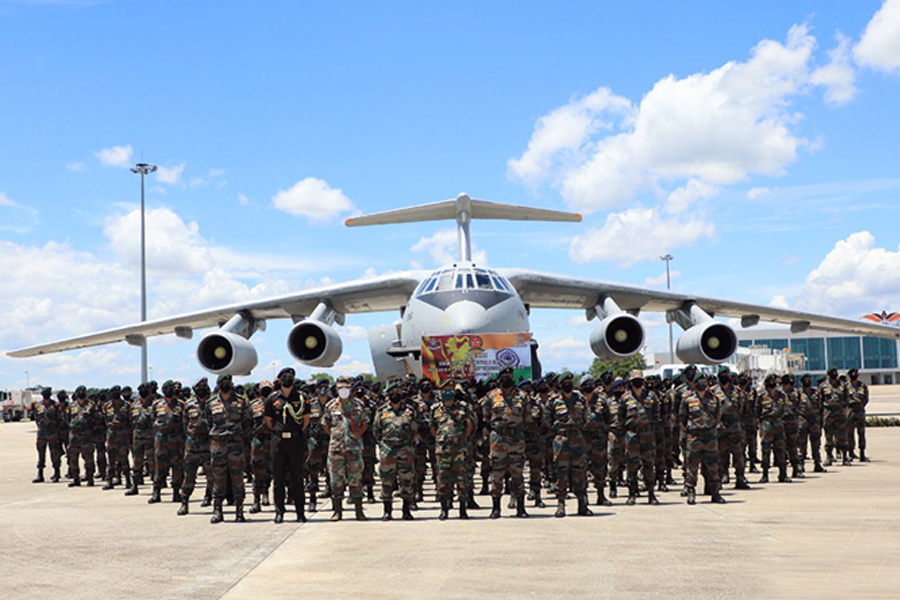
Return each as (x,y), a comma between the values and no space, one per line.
(446,281)
(483,280)
(464,279)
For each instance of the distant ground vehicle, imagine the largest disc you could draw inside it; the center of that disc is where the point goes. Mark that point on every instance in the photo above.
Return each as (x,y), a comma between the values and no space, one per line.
(673,370)
(15,404)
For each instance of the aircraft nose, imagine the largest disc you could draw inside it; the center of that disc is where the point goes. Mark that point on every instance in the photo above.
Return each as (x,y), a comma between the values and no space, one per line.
(467,317)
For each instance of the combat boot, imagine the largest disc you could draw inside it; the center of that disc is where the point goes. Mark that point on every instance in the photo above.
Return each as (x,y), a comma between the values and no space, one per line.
(463,512)
(109,484)
(484,487)
(445,508)
(264,497)
(407,510)
(783,476)
(176,493)
(862,456)
(55,478)
(796,472)
(360,515)
(495,511)
(313,502)
(632,493)
(651,497)
(560,508)
(239,512)
(520,507)
(819,468)
(156,496)
(207,499)
(255,507)
(117,479)
(829,459)
(217,516)
(133,488)
(184,509)
(846,461)
(471,502)
(669,479)
(691,496)
(601,498)
(512,502)
(279,516)
(717,497)
(370,494)
(338,513)
(765,476)
(76,482)
(613,492)
(39,478)
(388,509)
(741,484)
(538,502)
(90,480)
(583,510)
(300,510)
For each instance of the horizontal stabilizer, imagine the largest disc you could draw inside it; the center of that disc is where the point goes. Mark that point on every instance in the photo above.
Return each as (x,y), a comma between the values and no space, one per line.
(463,209)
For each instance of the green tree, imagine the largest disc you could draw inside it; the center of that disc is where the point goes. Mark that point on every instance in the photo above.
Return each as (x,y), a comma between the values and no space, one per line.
(619,368)
(318,376)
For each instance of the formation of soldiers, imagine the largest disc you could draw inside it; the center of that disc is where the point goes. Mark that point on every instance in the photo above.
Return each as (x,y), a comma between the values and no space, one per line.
(306,441)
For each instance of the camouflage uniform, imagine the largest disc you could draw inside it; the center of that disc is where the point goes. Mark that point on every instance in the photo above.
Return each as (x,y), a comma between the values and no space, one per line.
(506,416)
(260,452)
(596,434)
(395,431)
(661,432)
(700,416)
(811,426)
(751,425)
(48,420)
(196,446)
(228,419)
(99,434)
(792,429)
(345,421)
(639,413)
(833,396)
(317,446)
(616,452)
(450,421)
(142,440)
(168,445)
(730,433)
(118,426)
(82,419)
(424,446)
(771,428)
(857,399)
(567,419)
(370,456)
(535,433)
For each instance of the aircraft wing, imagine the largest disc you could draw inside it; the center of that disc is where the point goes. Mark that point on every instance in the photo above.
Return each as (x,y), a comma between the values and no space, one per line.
(544,290)
(378,294)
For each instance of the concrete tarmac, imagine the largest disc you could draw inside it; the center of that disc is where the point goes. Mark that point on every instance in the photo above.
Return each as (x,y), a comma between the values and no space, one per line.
(834,535)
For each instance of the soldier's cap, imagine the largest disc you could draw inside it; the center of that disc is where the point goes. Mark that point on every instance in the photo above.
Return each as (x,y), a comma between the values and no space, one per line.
(323,382)
(343,382)
(526,382)
(222,377)
(80,388)
(168,383)
(787,379)
(723,369)
(636,374)
(393,382)
(619,382)
(505,371)
(771,380)
(550,377)
(61,394)
(127,388)
(690,369)
(447,393)
(832,372)
(265,383)
(566,376)
(806,377)
(287,370)
(697,376)
(586,380)
(853,371)
(46,392)
(115,390)
(202,381)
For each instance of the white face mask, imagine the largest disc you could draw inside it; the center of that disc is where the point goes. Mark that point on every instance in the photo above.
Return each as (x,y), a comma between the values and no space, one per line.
(344,393)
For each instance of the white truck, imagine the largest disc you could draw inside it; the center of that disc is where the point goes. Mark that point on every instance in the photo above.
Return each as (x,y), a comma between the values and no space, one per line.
(16,404)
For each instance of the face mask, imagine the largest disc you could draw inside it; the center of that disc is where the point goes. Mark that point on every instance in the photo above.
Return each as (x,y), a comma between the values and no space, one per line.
(360,393)
(700,386)
(724,379)
(287,380)
(344,393)
(225,387)
(567,386)
(506,382)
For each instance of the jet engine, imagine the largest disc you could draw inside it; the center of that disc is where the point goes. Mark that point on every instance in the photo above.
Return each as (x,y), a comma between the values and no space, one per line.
(314,343)
(618,335)
(705,340)
(226,352)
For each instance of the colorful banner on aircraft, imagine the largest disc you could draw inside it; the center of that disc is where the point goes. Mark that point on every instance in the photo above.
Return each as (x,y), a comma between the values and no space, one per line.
(475,356)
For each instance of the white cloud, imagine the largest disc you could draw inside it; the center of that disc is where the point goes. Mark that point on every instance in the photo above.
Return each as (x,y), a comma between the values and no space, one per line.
(779,301)
(637,234)
(758,192)
(213,173)
(243,200)
(76,167)
(838,76)
(661,278)
(6,200)
(682,198)
(879,47)
(856,277)
(173,246)
(443,248)
(117,156)
(170,175)
(314,199)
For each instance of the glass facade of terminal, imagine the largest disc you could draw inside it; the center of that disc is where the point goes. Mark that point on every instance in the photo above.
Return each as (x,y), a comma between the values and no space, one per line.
(842,352)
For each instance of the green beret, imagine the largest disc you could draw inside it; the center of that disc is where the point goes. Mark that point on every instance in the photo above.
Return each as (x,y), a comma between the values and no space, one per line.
(222,377)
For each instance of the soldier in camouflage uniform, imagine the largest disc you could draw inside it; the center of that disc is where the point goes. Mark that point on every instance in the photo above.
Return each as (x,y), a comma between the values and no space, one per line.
(346,421)
(810,424)
(395,426)
(261,449)
(142,437)
(660,429)
(424,401)
(751,421)
(506,413)
(700,413)
(857,400)
(47,418)
(62,404)
(534,442)
(567,411)
(82,417)
(771,427)
(118,428)
(596,433)
(168,442)
(196,445)
(792,425)
(730,431)
(317,444)
(640,410)
(616,448)
(98,399)
(370,456)
(452,423)
(229,417)
(833,397)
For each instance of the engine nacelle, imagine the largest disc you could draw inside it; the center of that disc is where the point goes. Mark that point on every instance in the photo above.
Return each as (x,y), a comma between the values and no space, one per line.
(707,343)
(315,344)
(226,352)
(617,336)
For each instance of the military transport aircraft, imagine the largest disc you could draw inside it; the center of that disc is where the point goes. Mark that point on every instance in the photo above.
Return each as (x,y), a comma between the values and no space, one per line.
(456,299)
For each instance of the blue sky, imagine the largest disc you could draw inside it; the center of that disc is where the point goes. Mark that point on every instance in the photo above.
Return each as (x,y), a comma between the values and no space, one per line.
(756,142)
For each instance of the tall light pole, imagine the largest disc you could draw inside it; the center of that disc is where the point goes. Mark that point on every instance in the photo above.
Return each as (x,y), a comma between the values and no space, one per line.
(668,258)
(27,380)
(143,169)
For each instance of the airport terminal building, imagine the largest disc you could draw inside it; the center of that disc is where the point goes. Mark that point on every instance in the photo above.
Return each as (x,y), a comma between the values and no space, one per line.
(876,358)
